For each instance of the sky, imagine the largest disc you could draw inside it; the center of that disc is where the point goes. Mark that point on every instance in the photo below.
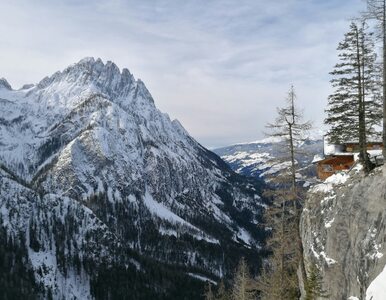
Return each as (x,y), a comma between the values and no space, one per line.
(221,67)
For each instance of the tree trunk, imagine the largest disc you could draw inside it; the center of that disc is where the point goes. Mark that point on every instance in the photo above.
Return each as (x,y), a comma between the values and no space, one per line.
(367,162)
(282,263)
(294,192)
(293,169)
(361,113)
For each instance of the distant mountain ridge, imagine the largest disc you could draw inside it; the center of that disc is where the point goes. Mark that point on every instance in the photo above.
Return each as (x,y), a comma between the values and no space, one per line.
(103,195)
(259,158)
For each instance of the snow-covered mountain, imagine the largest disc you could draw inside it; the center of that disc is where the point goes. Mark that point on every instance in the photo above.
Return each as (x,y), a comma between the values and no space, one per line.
(265,157)
(102,194)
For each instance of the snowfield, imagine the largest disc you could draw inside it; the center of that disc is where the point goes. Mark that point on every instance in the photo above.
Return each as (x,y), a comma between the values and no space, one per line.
(377,288)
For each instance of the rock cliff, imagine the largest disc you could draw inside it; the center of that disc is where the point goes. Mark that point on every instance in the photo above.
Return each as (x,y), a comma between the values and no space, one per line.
(343,228)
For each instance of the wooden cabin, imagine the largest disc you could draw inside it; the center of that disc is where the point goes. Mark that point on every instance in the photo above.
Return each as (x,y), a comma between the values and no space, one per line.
(335,163)
(342,157)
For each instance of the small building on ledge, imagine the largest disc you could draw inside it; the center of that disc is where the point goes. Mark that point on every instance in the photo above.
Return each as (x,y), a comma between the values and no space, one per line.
(332,164)
(341,158)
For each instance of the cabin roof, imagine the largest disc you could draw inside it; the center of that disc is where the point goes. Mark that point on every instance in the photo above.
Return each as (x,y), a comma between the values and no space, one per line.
(339,149)
(337,159)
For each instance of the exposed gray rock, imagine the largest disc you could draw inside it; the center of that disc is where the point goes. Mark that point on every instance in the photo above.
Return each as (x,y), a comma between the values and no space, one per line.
(4,84)
(343,227)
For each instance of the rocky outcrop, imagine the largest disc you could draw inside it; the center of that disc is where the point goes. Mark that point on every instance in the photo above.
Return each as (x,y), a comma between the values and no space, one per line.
(4,84)
(343,228)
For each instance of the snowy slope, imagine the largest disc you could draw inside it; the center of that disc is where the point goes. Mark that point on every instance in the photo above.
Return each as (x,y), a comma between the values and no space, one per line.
(263,157)
(39,219)
(377,288)
(92,133)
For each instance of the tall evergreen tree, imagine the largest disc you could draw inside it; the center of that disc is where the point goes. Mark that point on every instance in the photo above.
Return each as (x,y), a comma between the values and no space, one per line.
(314,285)
(279,279)
(222,293)
(208,291)
(243,285)
(376,10)
(355,106)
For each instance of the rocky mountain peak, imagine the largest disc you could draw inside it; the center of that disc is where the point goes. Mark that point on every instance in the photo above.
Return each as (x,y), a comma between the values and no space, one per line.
(94,75)
(90,142)
(4,84)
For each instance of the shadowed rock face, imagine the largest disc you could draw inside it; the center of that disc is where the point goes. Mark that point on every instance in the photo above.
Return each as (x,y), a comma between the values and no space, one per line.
(4,84)
(344,228)
(92,136)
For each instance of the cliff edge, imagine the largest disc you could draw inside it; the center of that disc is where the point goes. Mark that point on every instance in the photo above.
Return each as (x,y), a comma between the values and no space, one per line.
(343,227)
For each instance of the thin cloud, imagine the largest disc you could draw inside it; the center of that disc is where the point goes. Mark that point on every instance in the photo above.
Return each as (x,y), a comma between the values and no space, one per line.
(221,67)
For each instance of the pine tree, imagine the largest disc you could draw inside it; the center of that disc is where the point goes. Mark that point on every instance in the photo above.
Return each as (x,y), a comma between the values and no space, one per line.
(292,130)
(243,285)
(208,292)
(354,108)
(376,10)
(314,285)
(221,293)
(279,279)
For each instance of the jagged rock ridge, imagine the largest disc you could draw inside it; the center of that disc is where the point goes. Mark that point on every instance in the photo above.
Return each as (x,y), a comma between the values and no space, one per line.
(90,141)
